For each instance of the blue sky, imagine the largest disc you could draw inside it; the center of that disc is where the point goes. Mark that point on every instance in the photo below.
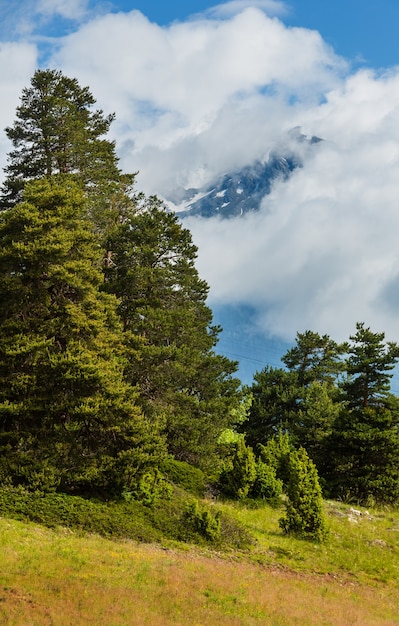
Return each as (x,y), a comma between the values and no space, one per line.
(200,88)
(357,29)
(363,30)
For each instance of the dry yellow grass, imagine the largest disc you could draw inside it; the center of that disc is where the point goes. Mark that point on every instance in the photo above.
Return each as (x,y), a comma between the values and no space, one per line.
(60,579)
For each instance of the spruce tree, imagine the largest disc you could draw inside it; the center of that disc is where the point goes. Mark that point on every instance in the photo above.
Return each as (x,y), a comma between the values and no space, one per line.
(67,417)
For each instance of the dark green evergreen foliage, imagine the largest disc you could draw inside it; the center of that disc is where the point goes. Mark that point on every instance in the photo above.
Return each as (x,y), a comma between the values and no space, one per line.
(169,333)
(266,485)
(67,411)
(315,358)
(184,475)
(316,419)
(68,419)
(281,396)
(275,395)
(369,369)
(58,132)
(364,443)
(276,454)
(339,409)
(126,519)
(364,456)
(150,488)
(301,400)
(245,476)
(304,509)
(113,518)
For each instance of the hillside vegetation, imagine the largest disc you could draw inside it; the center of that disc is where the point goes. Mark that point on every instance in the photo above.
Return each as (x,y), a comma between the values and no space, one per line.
(61,576)
(118,417)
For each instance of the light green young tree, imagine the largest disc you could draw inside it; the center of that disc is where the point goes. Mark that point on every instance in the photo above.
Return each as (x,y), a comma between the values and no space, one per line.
(304,509)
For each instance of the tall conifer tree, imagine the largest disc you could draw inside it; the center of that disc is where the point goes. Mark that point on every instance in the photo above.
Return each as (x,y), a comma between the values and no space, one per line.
(163,307)
(364,444)
(67,417)
(57,131)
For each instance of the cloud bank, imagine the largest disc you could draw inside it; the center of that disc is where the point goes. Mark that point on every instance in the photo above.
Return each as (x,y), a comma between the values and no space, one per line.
(197,98)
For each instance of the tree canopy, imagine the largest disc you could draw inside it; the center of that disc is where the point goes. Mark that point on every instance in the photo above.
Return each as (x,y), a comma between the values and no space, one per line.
(334,400)
(108,357)
(106,340)
(168,327)
(66,410)
(57,131)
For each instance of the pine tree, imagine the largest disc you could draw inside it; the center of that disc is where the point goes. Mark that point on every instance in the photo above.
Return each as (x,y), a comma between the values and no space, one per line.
(315,358)
(168,327)
(363,456)
(364,443)
(67,417)
(56,131)
(369,369)
(148,260)
(300,400)
(274,407)
(317,416)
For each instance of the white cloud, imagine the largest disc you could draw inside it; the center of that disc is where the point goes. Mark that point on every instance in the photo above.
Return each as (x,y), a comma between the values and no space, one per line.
(323,252)
(28,19)
(17,64)
(69,9)
(194,99)
(228,9)
(174,87)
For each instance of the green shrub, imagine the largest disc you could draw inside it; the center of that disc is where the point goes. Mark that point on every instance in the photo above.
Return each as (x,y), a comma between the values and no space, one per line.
(150,488)
(110,519)
(304,508)
(276,453)
(266,486)
(239,475)
(179,518)
(184,475)
(203,521)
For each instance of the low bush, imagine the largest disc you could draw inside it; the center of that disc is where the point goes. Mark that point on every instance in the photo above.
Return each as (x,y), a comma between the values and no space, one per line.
(150,489)
(165,519)
(109,519)
(203,521)
(184,475)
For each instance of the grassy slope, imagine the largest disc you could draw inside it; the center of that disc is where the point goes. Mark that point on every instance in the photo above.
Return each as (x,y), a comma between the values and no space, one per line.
(62,578)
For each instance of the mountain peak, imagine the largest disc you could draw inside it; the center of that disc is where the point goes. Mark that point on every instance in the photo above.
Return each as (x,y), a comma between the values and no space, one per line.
(236,193)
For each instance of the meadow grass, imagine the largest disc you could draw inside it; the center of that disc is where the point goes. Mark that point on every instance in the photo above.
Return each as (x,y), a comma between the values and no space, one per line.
(364,548)
(61,578)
